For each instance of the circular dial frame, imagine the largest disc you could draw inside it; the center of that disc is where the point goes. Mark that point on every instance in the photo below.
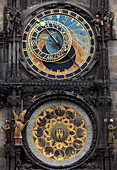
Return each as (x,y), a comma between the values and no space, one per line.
(57,37)
(59,133)
(58,44)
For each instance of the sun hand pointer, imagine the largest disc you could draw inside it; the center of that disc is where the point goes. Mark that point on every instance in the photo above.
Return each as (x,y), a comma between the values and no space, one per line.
(42,24)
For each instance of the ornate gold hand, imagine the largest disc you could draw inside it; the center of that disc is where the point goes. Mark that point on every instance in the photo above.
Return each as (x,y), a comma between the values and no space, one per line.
(43,25)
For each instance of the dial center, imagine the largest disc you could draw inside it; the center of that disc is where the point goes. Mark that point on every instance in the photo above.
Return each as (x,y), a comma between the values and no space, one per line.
(59,132)
(53,46)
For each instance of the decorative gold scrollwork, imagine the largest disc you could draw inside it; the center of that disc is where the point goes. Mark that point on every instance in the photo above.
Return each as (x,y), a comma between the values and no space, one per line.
(59,132)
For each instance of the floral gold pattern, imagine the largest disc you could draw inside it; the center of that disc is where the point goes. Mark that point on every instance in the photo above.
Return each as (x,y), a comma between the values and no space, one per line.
(59,132)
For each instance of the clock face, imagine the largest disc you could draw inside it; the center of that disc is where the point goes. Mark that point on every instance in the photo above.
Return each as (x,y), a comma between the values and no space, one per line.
(58,44)
(59,133)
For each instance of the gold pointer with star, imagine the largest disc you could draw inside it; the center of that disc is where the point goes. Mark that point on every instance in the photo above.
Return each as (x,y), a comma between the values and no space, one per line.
(43,25)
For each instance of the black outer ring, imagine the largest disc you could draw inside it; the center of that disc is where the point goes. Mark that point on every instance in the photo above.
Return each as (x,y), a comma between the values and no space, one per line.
(92,114)
(27,15)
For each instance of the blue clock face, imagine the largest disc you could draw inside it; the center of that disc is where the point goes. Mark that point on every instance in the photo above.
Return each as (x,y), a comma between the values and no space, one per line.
(58,44)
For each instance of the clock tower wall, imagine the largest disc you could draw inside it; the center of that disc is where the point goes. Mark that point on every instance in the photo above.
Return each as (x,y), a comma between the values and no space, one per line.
(28,85)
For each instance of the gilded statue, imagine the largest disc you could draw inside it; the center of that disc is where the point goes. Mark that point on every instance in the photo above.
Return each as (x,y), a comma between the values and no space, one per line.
(98,25)
(19,126)
(111,130)
(9,24)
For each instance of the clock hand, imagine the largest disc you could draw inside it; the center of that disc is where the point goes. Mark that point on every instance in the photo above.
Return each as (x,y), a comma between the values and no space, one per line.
(72,59)
(52,36)
(43,25)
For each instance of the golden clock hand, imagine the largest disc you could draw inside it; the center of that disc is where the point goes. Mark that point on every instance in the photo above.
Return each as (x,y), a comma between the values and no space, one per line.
(43,25)
(52,36)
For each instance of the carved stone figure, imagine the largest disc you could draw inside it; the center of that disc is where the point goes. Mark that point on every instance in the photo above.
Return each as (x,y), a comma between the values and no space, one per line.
(107,24)
(18,24)
(98,24)
(19,126)
(9,24)
(7,130)
(111,130)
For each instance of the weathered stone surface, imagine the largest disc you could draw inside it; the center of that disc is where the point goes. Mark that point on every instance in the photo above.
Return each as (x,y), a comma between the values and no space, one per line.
(3,117)
(113,87)
(113,8)
(114,114)
(115,145)
(1,152)
(114,106)
(2,3)
(2,162)
(113,63)
(114,96)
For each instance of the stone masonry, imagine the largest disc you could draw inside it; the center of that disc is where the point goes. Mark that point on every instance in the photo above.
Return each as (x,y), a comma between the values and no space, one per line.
(3,117)
(113,77)
(113,71)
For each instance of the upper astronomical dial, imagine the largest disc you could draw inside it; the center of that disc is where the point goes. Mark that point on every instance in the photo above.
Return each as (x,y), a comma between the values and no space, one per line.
(58,44)
(54,36)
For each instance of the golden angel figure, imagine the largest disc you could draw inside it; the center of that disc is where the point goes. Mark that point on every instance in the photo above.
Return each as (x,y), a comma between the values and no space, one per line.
(19,126)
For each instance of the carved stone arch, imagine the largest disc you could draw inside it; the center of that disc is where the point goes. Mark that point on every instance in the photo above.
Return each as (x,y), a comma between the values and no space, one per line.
(30,12)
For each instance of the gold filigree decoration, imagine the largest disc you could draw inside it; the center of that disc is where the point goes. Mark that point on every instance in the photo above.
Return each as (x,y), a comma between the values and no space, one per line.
(59,132)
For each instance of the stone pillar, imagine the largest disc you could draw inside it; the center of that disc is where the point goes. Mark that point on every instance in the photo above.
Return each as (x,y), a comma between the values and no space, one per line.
(101,152)
(111,158)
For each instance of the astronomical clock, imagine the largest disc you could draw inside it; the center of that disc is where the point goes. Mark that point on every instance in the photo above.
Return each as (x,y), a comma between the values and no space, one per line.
(57,71)
(59,44)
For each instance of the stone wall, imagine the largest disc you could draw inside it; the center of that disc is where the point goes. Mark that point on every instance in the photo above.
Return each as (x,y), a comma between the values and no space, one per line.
(3,112)
(3,117)
(113,76)
(2,3)
(113,71)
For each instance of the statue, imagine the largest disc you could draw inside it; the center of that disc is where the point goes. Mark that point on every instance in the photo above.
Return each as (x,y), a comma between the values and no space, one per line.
(18,24)
(19,126)
(107,24)
(7,130)
(111,130)
(9,24)
(98,25)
